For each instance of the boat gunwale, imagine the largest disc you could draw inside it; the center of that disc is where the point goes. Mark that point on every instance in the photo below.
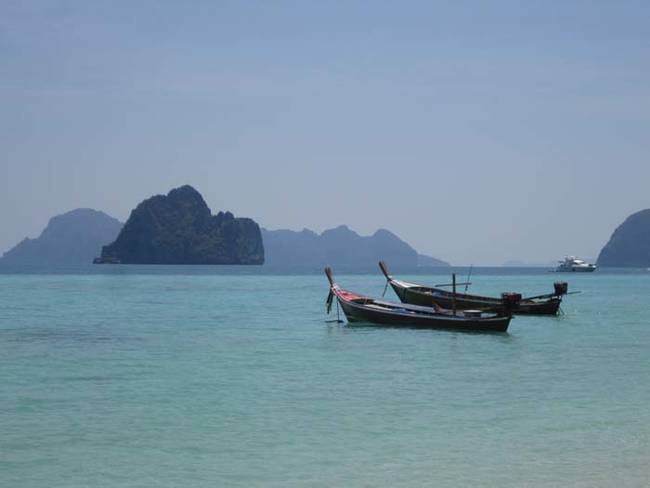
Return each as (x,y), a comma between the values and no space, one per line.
(467,296)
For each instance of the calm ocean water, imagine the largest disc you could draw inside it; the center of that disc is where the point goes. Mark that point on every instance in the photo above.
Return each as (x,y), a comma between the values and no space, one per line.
(175,376)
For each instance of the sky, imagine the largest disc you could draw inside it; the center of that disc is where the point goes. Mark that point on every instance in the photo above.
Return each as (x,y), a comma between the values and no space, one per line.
(479,132)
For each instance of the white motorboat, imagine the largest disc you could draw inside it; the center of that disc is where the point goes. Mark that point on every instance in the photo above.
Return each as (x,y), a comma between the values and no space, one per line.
(571,264)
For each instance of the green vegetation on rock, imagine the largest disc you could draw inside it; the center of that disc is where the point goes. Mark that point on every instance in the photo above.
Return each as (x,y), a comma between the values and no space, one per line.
(178,228)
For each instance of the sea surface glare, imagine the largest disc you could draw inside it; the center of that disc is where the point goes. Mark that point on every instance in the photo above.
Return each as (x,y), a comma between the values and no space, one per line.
(198,377)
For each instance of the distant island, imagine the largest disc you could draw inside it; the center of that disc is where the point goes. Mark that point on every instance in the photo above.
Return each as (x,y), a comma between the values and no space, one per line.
(179,228)
(341,248)
(425,261)
(74,237)
(629,245)
(514,263)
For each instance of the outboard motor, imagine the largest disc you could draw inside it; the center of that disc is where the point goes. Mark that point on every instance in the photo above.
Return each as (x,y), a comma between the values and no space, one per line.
(561,288)
(510,301)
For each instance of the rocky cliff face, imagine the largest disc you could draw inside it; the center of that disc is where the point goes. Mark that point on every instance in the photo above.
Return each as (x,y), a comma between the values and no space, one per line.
(339,247)
(629,245)
(178,228)
(75,237)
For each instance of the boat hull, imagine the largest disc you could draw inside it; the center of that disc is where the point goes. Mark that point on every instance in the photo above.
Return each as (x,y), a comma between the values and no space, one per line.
(576,270)
(444,299)
(360,313)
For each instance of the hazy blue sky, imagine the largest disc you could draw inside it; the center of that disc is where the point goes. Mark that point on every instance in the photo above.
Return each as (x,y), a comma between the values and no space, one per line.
(477,131)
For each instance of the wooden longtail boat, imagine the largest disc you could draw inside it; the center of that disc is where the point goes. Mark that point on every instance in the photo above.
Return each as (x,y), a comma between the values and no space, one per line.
(358,308)
(412,293)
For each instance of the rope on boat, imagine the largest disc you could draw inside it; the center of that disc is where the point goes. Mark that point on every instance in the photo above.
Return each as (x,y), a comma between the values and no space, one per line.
(328,302)
(328,307)
(469,275)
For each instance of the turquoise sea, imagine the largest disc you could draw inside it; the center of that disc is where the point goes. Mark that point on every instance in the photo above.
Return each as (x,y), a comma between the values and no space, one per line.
(207,377)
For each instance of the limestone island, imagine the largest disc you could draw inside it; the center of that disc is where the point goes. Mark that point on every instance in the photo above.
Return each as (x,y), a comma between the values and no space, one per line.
(629,245)
(179,228)
(74,237)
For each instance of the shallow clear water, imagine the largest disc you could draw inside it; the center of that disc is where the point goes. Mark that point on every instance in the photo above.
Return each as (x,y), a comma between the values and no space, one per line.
(183,378)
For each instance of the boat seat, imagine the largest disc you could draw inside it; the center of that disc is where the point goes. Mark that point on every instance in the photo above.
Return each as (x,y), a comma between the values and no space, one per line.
(415,308)
(378,307)
(472,313)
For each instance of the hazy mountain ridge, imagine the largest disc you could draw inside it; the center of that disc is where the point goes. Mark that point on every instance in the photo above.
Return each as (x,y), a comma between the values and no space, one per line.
(340,247)
(518,263)
(179,228)
(629,245)
(425,261)
(75,237)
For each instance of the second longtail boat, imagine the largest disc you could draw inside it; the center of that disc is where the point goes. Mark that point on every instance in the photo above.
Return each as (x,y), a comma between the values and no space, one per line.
(412,293)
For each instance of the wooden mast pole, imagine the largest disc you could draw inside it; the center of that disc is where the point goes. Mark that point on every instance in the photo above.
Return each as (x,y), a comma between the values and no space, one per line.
(453,296)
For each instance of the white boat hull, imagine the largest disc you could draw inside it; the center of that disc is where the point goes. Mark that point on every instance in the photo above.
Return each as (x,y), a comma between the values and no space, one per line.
(577,270)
